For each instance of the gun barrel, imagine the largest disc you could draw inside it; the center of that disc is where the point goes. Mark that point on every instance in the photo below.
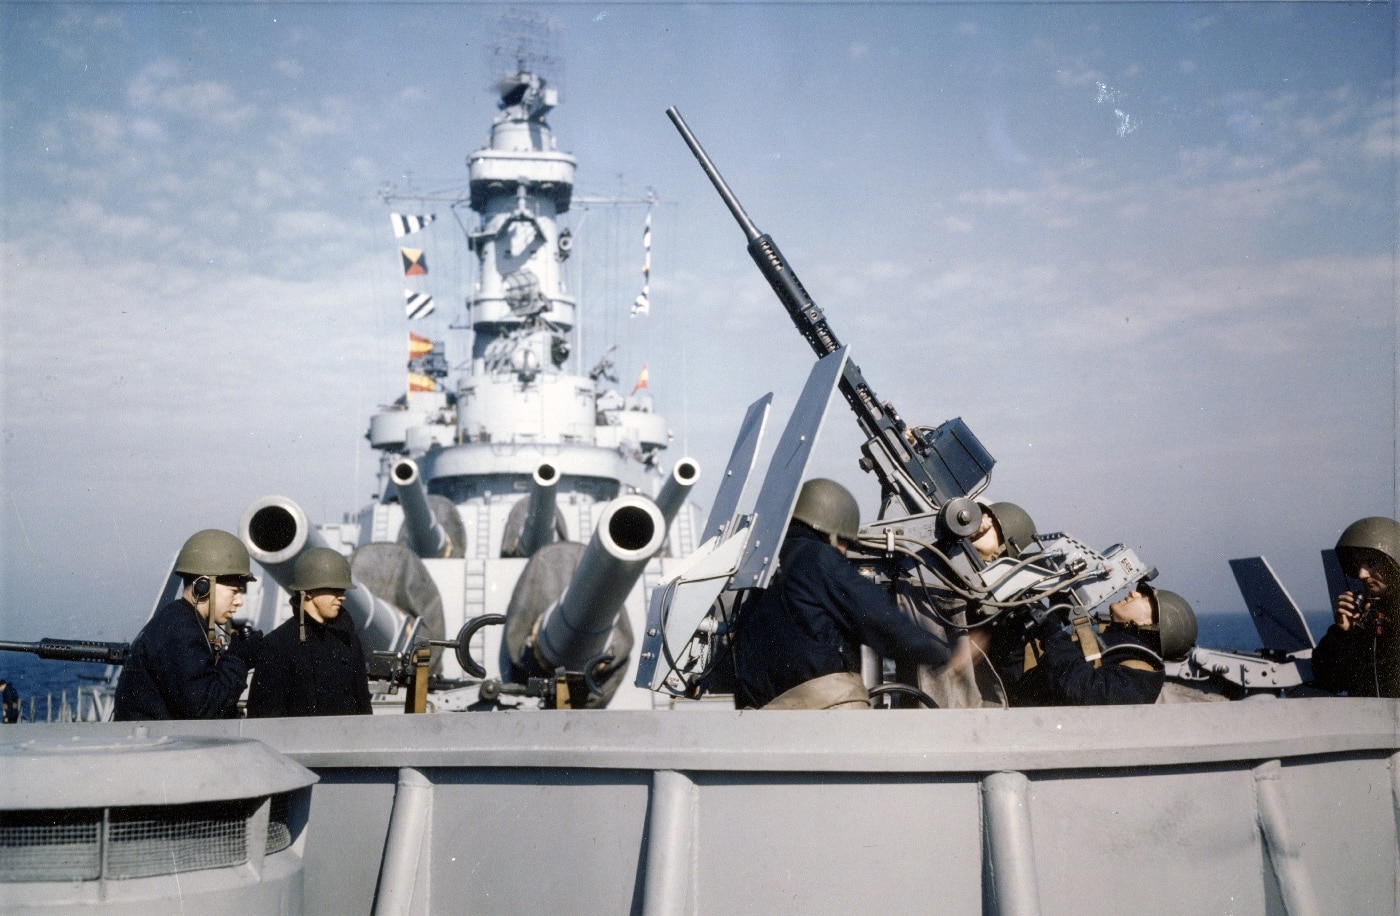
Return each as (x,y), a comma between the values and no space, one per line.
(539,518)
(923,472)
(750,230)
(426,536)
(72,650)
(276,531)
(672,496)
(576,631)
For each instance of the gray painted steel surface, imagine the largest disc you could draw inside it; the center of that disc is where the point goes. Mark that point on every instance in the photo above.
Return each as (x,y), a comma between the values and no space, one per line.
(1263,806)
(131,822)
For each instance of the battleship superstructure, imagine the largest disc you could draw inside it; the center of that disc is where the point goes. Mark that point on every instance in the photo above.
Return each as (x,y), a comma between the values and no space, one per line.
(488,473)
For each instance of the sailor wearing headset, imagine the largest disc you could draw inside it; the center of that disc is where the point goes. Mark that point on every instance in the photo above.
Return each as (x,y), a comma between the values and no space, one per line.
(183,664)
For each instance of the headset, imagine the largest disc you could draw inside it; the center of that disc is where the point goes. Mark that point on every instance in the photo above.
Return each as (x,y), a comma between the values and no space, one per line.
(201,587)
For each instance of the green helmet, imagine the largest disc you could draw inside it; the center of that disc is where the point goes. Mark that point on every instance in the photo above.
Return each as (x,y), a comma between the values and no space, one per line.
(1376,534)
(320,567)
(1176,623)
(829,508)
(1016,527)
(213,553)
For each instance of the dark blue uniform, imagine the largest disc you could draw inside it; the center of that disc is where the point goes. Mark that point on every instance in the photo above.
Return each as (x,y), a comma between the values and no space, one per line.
(1062,676)
(172,672)
(1360,661)
(324,676)
(812,620)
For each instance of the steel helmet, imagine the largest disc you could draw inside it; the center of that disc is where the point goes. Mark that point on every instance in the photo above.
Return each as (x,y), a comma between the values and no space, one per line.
(213,553)
(1376,534)
(829,508)
(320,567)
(1016,527)
(1176,622)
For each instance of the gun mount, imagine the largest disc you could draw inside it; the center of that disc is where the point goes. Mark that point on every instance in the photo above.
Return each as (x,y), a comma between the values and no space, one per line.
(577,629)
(424,533)
(582,633)
(276,531)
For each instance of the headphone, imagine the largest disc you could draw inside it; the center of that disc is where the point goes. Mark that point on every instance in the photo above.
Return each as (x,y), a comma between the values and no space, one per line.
(201,587)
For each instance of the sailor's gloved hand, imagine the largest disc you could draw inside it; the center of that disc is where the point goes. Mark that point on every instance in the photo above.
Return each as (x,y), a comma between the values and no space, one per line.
(245,644)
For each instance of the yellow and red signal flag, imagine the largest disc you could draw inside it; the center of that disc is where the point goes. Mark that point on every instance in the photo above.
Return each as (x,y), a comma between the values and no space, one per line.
(418,345)
(414,264)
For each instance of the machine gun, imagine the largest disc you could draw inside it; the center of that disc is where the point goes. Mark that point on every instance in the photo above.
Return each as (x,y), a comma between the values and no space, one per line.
(921,468)
(72,650)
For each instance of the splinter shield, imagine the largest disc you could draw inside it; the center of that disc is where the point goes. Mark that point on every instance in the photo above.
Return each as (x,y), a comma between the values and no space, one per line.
(740,466)
(779,492)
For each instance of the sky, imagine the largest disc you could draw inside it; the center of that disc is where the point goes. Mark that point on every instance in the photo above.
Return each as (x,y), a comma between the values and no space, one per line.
(1146,251)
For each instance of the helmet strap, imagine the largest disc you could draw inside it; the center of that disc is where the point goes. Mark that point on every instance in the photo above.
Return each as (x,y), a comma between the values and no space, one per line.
(209,609)
(301,613)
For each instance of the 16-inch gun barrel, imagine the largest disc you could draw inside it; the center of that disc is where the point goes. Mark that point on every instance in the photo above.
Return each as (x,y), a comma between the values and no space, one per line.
(426,536)
(683,476)
(578,628)
(540,515)
(276,531)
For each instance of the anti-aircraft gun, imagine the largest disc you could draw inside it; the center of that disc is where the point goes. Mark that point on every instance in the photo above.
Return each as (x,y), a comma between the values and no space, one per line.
(72,650)
(929,479)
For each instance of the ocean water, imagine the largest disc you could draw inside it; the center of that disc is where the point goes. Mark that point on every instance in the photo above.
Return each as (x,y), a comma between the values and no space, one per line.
(41,679)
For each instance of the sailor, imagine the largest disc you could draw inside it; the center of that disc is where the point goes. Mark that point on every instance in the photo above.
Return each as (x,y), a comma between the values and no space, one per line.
(966,679)
(797,642)
(1145,626)
(10,698)
(313,664)
(1360,652)
(182,665)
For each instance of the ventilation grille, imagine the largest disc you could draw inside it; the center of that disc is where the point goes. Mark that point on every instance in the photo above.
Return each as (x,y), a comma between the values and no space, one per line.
(76,845)
(51,845)
(167,841)
(279,828)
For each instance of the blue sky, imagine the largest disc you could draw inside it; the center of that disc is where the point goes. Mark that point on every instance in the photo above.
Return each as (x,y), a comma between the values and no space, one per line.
(1146,251)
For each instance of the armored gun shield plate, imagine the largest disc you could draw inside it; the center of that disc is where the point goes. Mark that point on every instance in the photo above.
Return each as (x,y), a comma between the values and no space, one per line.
(778,495)
(679,607)
(1337,581)
(740,466)
(1276,616)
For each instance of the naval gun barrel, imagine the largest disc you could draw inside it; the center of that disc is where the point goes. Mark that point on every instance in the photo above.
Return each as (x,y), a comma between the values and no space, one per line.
(577,629)
(72,650)
(539,518)
(276,531)
(677,487)
(426,536)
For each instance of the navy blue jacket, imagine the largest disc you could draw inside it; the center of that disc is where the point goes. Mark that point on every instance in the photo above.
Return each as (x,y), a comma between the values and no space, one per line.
(324,676)
(1062,677)
(812,620)
(1359,661)
(172,673)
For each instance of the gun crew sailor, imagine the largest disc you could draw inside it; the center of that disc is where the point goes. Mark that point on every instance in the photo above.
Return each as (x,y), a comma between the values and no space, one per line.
(184,664)
(1360,652)
(797,643)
